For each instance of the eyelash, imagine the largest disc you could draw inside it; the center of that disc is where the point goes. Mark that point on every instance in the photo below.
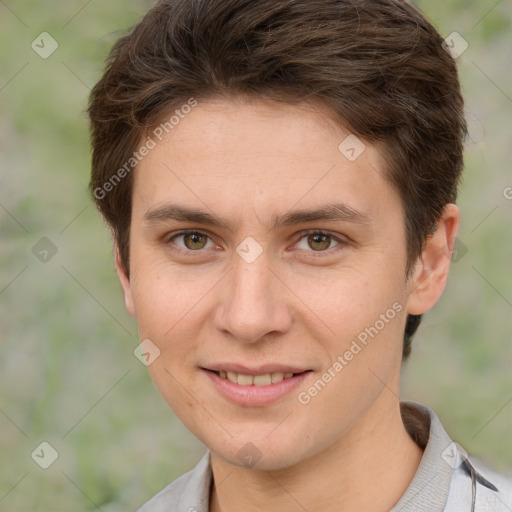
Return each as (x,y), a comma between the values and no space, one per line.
(302,234)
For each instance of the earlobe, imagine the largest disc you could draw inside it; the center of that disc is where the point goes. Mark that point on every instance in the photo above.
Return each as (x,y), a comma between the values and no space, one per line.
(124,280)
(431,270)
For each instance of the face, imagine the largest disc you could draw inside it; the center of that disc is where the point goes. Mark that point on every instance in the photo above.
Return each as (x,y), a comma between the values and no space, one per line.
(276,326)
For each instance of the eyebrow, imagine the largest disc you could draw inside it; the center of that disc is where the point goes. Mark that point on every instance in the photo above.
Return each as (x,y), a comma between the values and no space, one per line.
(329,212)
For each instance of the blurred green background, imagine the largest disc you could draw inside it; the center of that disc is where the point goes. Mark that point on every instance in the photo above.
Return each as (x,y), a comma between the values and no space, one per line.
(68,373)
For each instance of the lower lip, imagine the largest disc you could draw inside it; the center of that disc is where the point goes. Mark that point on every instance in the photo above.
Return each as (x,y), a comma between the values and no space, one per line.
(255,396)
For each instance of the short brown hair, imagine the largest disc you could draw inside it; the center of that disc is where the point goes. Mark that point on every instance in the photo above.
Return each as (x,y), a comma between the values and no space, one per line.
(378,65)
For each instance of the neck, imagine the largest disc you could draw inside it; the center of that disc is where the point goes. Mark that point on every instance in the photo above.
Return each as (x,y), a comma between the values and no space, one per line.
(368,469)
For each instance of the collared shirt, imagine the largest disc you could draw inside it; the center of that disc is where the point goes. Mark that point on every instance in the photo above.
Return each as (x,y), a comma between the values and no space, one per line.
(447,479)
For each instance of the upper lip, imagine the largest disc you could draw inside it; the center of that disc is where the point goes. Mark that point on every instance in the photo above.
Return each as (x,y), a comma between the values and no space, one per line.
(255,370)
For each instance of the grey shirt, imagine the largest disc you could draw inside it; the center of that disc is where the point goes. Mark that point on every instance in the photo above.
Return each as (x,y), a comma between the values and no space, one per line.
(447,480)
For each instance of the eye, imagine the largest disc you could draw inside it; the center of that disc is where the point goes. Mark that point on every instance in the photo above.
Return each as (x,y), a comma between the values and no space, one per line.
(318,241)
(192,240)
(310,241)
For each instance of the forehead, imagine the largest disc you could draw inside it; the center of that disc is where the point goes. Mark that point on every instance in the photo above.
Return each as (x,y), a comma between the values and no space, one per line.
(261,156)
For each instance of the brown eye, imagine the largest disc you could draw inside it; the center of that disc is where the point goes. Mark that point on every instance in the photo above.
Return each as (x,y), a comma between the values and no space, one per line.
(194,241)
(319,242)
(190,241)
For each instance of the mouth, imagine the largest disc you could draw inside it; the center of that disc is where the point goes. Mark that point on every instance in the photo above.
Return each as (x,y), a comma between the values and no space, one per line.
(255,387)
(264,379)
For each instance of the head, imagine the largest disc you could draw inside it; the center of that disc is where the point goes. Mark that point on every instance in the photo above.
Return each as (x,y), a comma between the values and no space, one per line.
(249,111)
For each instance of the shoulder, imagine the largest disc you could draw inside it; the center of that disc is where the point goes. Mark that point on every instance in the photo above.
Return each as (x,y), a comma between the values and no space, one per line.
(167,497)
(448,478)
(189,492)
(474,485)
(490,489)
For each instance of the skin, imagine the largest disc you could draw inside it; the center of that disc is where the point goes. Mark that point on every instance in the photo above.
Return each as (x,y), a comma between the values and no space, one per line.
(247,160)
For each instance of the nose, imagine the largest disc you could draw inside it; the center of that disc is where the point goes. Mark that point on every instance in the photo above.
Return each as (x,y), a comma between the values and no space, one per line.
(253,303)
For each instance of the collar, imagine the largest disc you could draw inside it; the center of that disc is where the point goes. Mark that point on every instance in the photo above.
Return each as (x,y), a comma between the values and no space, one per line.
(430,486)
(443,482)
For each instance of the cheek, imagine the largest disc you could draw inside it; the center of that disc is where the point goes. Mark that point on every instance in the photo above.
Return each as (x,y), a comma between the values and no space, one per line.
(164,297)
(363,346)
(169,314)
(166,311)
(348,301)
(172,305)
(362,356)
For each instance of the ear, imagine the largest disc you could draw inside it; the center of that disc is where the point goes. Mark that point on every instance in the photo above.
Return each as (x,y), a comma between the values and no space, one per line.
(431,270)
(124,280)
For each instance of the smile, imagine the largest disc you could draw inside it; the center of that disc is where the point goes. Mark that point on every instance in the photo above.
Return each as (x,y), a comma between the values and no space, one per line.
(255,380)
(258,388)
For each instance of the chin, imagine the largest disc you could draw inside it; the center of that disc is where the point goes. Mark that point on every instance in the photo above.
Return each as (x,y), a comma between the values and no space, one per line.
(259,454)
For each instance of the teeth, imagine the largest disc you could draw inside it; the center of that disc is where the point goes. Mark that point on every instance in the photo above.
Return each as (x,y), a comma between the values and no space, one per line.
(277,377)
(245,380)
(261,380)
(256,380)
(233,377)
